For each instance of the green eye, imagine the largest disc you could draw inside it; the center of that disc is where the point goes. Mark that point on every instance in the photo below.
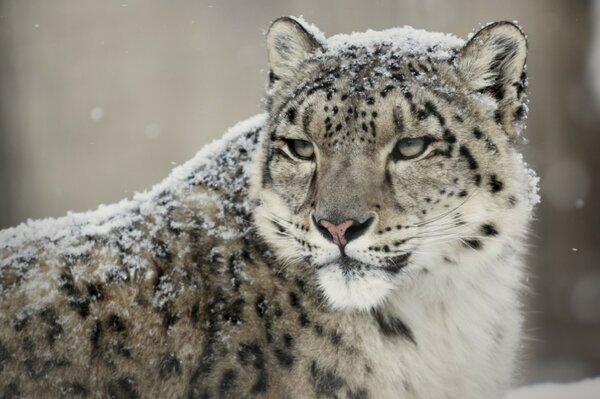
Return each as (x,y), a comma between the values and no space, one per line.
(410,148)
(301,148)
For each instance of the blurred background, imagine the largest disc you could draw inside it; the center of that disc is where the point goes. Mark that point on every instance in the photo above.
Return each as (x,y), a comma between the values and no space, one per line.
(101,98)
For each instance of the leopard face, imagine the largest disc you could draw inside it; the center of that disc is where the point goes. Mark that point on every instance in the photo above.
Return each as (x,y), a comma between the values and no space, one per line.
(389,158)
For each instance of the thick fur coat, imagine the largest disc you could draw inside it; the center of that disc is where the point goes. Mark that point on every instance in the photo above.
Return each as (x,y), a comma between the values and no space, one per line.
(362,239)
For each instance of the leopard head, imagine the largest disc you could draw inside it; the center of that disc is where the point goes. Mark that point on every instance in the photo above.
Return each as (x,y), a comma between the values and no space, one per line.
(390,155)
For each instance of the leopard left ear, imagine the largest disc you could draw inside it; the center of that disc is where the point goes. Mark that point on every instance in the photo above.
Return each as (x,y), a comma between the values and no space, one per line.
(288,43)
(493,61)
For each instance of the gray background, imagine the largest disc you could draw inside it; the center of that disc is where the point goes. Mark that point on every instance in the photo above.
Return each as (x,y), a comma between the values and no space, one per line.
(98,99)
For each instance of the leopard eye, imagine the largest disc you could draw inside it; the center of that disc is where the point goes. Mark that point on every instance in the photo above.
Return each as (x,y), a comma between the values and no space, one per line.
(301,148)
(409,148)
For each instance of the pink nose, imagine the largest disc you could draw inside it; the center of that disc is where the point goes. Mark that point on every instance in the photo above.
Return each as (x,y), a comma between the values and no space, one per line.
(338,232)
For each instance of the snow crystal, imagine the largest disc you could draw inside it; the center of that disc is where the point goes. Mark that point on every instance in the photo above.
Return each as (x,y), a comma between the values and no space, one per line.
(96,114)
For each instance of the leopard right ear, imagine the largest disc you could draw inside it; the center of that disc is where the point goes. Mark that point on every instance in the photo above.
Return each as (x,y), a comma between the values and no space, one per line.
(288,43)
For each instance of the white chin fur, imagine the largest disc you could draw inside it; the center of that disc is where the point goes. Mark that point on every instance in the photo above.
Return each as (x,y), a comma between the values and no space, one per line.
(352,292)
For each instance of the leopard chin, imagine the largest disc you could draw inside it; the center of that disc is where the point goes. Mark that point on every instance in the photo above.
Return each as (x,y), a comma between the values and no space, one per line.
(349,284)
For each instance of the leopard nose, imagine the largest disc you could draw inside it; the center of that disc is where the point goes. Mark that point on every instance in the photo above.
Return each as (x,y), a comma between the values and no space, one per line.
(344,232)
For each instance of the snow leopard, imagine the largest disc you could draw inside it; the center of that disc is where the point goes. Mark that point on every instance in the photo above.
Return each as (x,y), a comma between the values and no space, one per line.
(363,238)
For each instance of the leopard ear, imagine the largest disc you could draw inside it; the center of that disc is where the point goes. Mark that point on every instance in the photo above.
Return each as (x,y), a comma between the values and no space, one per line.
(495,56)
(288,43)
(493,62)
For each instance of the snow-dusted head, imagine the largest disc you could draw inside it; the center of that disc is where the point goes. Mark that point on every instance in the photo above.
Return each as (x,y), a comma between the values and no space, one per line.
(389,155)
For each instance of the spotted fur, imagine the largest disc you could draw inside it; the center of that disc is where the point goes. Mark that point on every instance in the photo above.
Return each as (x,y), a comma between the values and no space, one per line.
(220,283)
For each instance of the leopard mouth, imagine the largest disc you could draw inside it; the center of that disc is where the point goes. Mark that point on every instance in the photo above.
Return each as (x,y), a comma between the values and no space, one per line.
(353,268)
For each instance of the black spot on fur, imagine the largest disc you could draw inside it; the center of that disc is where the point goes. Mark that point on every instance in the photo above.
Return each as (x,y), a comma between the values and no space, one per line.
(227,382)
(392,326)
(123,388)
(233,312)
(261,306)
(95,338)
(477,133)
(4,356)
(291,115)
(251,354)
(386,90)
(489,230)
(11,391)
(53,328)
(72,389)
(294,301)
(169,366)
(325,382)
(303,318)
(465,153)
(286,359)
(115,323)
(429,109)
(474,244)
(495,184)
(19,323)
(498,117)
(288,340)
(449,137)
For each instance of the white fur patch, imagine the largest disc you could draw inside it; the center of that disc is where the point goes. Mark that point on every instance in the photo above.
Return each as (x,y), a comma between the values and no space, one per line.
(348,292)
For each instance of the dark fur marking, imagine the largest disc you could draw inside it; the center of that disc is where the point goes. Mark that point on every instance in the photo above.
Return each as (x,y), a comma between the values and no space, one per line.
(465,153)
(392,326)
(19,323)
(233,312)
(261,306)
(261,384)
(115,323)
(169,366)
(272,77)
(473,244)
(498,117)
(428,110)
(95,292)
(288,340)
(306,119)
(477,133)
(227,382)
(495,184)
(294,301)
(386,90)
(449,137)
(251,354)
(123,388)
(489,229)
(53,328)
(4,356)
(303,318)
(286,359)
(326,382)
(72,389)
(291,115)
